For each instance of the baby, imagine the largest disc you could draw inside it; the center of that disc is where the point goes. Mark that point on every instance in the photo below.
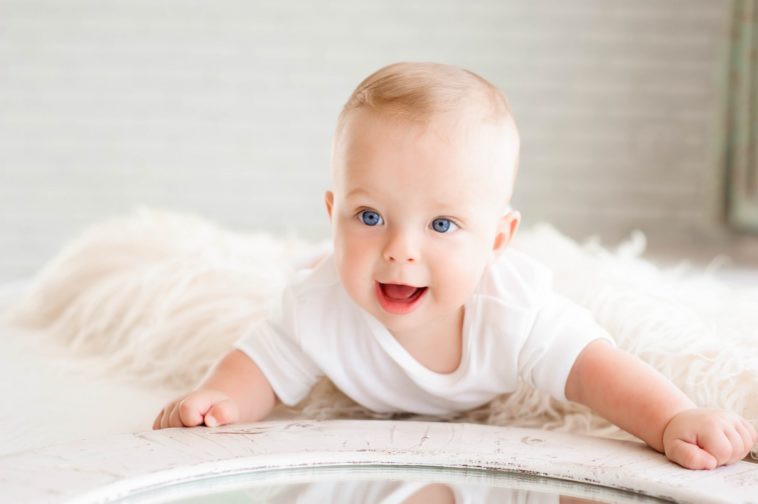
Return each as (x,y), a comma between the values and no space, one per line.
(422,307)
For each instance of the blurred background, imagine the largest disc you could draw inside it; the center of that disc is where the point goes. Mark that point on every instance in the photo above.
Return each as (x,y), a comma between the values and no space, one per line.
(635,114)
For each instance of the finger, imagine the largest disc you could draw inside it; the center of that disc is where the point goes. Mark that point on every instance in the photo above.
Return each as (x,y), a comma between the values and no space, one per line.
(222,413)
(166,418)
(739,447)
(190,413)
(716,442)
(690,455)
(752,431)
(743,428)
(157,421)
(173,418)
(195,406)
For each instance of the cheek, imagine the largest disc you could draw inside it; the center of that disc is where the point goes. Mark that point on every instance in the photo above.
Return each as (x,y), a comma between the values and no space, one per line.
(457,271)
(354,256)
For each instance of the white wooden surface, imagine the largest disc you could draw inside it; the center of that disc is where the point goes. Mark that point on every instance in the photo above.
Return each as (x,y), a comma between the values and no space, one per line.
(105,469)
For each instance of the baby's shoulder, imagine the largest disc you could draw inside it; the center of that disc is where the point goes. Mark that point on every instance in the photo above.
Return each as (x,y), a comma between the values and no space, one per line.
(309,280)
(517,280)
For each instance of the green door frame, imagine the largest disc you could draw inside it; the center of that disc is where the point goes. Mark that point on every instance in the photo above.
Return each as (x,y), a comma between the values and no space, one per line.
(741,154)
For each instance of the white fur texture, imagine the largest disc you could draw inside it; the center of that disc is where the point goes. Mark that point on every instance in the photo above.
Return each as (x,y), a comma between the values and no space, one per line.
(163,295)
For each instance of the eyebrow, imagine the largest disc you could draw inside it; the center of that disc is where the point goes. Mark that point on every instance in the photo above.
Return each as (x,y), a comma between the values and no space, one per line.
(446,208)
(356,191)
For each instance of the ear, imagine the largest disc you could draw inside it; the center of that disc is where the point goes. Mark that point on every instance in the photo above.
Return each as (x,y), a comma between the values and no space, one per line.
(506,229)
(329,200)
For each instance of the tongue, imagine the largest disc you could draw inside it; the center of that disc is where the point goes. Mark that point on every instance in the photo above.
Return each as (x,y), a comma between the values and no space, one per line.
(396,291)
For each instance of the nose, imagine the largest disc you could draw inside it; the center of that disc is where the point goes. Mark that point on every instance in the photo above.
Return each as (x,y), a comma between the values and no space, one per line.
(400,247)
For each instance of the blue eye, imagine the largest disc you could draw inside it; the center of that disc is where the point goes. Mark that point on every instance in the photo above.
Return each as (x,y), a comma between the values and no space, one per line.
(371,218)
(443,225)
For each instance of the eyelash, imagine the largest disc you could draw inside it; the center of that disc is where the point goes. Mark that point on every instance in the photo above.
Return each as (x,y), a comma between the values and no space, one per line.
(362,213)
(452,226)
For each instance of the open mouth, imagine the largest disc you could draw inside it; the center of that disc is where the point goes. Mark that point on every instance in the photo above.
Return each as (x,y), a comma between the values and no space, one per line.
(399,299)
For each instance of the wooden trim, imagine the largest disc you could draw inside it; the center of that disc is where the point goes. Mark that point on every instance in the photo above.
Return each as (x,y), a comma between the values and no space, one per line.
(182,462)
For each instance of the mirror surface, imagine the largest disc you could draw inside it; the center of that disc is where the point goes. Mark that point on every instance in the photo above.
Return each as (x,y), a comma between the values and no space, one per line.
(385,485)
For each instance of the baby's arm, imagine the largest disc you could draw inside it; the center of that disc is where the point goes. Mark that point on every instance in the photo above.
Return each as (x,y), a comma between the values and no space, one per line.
(637,398)
(235,391)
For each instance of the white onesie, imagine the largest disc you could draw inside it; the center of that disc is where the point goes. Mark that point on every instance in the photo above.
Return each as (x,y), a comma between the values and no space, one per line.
(515,329)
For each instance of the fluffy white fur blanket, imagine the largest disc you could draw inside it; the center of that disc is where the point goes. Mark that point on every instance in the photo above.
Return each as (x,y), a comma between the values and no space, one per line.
(163,295)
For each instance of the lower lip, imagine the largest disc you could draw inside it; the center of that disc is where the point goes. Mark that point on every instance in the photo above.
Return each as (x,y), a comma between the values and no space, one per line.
(399,307)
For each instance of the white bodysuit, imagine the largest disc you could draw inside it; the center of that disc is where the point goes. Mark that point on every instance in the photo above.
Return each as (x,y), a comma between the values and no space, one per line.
(515,329)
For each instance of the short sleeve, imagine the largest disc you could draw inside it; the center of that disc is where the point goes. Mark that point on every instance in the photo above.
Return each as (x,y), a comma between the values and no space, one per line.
(562,329)
(275,348)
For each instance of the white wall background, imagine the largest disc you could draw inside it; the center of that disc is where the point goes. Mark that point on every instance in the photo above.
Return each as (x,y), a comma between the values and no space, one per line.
(225,108)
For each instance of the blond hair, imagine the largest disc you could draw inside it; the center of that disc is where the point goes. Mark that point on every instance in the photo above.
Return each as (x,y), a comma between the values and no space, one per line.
(422,91)
(419,91)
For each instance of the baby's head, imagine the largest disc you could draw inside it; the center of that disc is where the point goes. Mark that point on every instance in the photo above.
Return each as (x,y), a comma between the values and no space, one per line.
(424,159)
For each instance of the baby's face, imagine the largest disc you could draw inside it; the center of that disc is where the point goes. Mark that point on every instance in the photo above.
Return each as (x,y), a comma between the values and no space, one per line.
(418,212)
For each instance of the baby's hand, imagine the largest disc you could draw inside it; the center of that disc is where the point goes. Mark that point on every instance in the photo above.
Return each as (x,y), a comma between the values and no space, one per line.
(706,438)
(208,407)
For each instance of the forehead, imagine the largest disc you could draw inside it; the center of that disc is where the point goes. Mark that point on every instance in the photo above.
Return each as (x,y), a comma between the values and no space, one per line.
(454,156)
